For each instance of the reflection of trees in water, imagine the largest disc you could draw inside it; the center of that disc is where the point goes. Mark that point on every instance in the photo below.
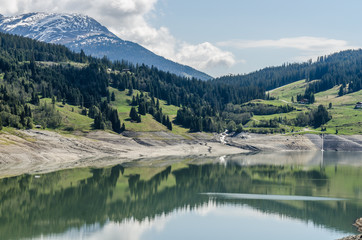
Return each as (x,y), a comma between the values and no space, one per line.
(27,210)
(318,178)
(140,188)
(338,216)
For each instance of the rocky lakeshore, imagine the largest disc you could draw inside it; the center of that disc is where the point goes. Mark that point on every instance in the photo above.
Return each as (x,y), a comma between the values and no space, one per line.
(356,237)
(32,151)
(357,224)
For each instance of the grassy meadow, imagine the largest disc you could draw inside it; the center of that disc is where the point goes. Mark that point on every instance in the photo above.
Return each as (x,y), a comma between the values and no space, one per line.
(73,120)
(345,118)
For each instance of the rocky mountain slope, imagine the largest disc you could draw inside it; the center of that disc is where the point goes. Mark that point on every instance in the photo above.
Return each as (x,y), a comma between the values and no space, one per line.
(82,32)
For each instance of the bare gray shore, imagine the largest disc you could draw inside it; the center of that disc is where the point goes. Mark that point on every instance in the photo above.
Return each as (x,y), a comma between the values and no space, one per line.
(34,151)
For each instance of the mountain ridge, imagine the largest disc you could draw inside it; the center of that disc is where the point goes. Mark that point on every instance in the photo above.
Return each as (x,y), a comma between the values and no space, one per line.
(80,32)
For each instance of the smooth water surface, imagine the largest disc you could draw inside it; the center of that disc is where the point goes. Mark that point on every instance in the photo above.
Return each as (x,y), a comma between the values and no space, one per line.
(262,196)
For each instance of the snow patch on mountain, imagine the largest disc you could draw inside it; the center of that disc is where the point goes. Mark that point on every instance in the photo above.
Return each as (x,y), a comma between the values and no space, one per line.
(45,26)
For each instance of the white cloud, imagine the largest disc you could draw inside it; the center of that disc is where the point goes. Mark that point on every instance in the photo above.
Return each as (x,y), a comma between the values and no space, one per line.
(205,56)
(128,19)
(310,47)
(301,43)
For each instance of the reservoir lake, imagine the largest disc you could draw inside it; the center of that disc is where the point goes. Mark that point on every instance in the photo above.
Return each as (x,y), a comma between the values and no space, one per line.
(292,195)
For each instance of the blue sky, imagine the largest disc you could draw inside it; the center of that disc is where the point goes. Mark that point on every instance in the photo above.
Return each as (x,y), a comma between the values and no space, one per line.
(252,30)
(221,37)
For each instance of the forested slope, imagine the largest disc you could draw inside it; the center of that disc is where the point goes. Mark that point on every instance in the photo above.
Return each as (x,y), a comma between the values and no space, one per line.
(31,70)
(340,68)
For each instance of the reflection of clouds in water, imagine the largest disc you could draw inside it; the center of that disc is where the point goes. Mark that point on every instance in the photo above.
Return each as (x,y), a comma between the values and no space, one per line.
(222,160)
(206,208)
(130,229)
(208,220)
(212,208)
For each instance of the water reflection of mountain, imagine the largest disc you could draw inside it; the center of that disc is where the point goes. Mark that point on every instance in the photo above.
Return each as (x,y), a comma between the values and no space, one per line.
(58,201)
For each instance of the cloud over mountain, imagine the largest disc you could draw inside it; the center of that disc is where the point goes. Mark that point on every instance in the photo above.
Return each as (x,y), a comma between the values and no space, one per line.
(128,19)
(196,55)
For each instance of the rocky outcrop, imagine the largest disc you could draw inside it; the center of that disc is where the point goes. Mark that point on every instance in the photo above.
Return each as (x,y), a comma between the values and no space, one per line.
(358,225)
(356,237)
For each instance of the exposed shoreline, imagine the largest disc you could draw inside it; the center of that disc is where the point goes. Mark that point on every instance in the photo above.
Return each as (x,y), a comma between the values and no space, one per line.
(39,151)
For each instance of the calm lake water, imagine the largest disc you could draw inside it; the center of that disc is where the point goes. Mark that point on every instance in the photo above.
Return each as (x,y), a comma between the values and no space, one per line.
(262,196)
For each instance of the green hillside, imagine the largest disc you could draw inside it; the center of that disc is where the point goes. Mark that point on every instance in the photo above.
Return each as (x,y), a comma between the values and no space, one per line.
(72,118)
(148,124)
(345,118)
(285,93)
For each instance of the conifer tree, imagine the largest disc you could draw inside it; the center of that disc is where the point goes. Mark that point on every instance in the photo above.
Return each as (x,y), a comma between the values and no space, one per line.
(130,91)
(158,104)
(134,115)
(168,123)
(341,91)
(142,108)
(123,128)
(98,121)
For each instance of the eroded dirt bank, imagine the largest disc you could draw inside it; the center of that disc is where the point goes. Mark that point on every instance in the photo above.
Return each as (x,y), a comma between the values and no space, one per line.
(32,151)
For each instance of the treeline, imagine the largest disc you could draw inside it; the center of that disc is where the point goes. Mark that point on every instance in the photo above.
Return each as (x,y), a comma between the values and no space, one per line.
(268,78)
(336,69)
(344,68)
(16,49)
(263,109)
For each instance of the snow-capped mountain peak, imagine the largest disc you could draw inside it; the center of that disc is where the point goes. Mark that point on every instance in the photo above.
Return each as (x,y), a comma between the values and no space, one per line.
(54,27)
(78,32)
